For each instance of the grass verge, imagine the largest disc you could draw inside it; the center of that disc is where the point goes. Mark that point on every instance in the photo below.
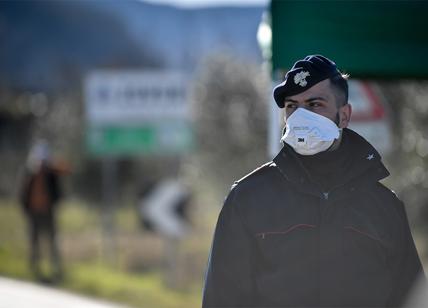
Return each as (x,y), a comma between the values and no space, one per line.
(86,272)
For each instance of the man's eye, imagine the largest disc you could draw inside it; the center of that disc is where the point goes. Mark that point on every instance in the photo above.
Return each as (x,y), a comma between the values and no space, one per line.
(314,104)
(290,106)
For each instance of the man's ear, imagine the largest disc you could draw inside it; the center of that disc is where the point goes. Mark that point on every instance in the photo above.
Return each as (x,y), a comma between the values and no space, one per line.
(345,115)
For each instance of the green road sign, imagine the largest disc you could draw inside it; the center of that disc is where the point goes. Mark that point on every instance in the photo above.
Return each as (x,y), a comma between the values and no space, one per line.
(382,39)
(155,138)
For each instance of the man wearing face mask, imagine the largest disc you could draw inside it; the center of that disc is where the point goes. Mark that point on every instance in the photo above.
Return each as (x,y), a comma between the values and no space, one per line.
(314,227)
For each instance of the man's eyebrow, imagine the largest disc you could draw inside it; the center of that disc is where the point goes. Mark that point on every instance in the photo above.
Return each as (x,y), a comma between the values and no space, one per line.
(316,98)
(290,100)
(311,99)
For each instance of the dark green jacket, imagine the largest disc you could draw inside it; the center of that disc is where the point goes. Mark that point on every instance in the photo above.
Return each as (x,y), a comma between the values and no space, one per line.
(281,241)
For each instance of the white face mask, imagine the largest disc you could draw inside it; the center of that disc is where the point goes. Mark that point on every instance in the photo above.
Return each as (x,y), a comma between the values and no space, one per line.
(309,133)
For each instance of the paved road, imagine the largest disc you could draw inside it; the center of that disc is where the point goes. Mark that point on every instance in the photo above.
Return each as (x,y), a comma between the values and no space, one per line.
(18,294)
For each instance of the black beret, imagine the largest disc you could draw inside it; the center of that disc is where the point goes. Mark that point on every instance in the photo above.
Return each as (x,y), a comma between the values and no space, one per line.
(303,75)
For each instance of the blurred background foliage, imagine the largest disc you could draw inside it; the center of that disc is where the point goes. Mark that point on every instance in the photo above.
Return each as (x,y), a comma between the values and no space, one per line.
(230,104)
(409,159)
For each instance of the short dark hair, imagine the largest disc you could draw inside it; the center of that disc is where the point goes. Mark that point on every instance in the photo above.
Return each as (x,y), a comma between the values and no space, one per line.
(339,83)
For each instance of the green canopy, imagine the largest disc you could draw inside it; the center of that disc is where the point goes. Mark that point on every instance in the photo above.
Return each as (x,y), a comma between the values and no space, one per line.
(368,39)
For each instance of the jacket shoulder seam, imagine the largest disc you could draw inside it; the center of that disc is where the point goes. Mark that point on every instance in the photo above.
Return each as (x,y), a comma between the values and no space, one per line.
(254,173)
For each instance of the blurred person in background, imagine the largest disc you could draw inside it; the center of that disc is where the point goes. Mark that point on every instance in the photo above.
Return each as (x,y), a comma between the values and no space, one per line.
(40,194)
(315,227)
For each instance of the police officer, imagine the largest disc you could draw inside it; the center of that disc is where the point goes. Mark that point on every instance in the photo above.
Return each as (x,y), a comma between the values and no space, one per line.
(314,227)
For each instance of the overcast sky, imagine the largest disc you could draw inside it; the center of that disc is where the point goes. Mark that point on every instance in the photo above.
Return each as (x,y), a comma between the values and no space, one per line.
(205,3)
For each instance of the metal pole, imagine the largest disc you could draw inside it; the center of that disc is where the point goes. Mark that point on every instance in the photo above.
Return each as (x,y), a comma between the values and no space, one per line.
(274,144)
(109,169)
(171,262)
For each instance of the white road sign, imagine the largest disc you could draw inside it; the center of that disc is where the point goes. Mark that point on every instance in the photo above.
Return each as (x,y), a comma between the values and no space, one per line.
(160,208)
(135,96)
(370,115)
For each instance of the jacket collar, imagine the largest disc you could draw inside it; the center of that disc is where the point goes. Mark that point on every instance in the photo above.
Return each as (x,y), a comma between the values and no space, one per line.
(366,166)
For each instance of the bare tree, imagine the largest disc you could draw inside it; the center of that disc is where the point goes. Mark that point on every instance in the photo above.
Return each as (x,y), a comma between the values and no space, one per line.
(230,103)
(409,161)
